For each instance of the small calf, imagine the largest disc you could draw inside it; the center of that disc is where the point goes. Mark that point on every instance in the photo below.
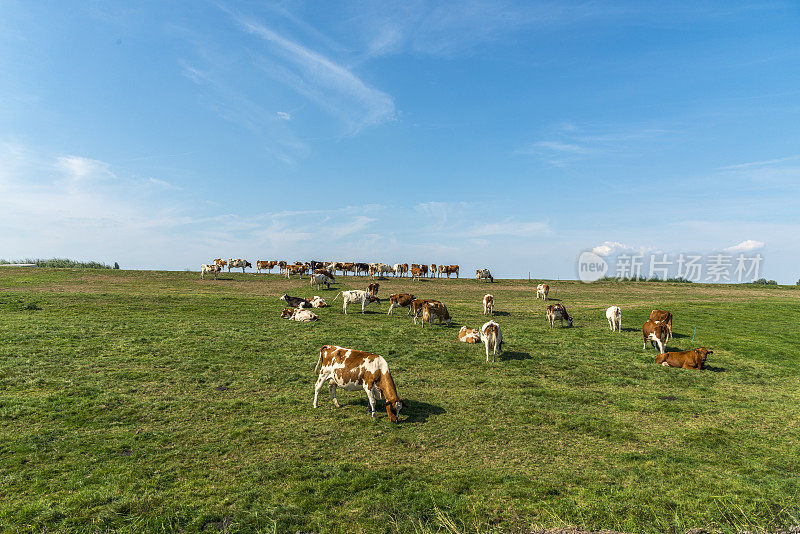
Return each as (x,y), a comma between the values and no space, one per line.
(686,359)
(318,302)
(488,304)
(656,333)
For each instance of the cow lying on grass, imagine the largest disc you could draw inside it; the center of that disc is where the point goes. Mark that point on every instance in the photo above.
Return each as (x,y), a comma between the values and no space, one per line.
(318,302)
(296,302)
(469,335)
(686,359)
(354,370)
(299,314)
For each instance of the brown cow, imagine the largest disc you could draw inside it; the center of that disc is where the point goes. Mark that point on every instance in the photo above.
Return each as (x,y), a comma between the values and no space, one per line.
(400,300)
(416,272)
(265,264)
(423,269)
(429,309)
(469,335)
(686,359)
(298,269)
(372,289)
(655,333)
(415,309)
(434,270)
(449,269)
(660,316)
(557,312)
(222,263)
(353,370)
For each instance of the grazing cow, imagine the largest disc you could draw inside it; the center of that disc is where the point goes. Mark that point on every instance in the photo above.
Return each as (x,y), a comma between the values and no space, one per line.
(265,264)
(353,370)
(416,272)
(321,279)
(222,263)
(239,263)
(449,269)
(318,302)
(434,271)
(488,304)
(373,288)
(327,273)
(299,314)
(484,274)
(542,290)
(380,269)
(297,268)
(429,309)
(686,359)
(469,335)
(660,316)
(314,265)
(415,308)
(400,269)
(355,296)
(492,338)
(655,333)
(399,300)
(297,302)
(557,312)
(209,269)
(614,316)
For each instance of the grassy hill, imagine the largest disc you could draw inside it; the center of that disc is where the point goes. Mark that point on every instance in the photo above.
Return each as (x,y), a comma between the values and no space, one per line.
(143,401)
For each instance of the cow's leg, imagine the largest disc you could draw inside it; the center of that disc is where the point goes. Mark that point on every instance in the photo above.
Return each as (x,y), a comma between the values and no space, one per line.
(344,307)
(371,399)
(318,388)
(332,389)
(391,307)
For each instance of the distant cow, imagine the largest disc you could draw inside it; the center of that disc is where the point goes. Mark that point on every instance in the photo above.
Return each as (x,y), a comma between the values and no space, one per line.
(488,304)
(469,335)
(542,290)
(297,268)
(660,316)
(265,264)
(437,309)
(557,312)
(327,273)
(614,316)
(222,263)
(297,302)
(355,296)
(239,263)
(360,268)
(399,300)
(299,314)
(687,359)
(423,269)
(416,272)
(320,280)
(655,333)
(318,302)
(434,271)
(400,269)
(353,370)
(484,274)
(209,269)
(492,338)
(373,288)
(449,269)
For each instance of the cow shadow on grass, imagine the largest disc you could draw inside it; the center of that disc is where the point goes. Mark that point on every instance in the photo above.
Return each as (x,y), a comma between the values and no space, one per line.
(515,355)
(714,368)
(675,335)
(500,314)
(418,411)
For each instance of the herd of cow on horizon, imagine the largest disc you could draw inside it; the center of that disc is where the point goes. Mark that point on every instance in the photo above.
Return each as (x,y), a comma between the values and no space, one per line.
(355,370)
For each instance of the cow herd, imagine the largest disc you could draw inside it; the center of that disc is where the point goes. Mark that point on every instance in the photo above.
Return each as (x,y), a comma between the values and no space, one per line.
(352,369)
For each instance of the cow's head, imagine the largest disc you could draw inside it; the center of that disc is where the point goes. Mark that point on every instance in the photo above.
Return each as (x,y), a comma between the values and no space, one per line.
(287,312)
(247,264)
(569,321)
(285,297)
(393,410)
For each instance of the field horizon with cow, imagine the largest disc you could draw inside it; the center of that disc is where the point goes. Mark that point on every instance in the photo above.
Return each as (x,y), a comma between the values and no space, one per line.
(136,401)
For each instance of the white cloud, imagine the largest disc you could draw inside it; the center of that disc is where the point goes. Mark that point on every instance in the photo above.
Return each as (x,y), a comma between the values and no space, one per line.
(284,116)
(745,246)
(615,247)
(78,168)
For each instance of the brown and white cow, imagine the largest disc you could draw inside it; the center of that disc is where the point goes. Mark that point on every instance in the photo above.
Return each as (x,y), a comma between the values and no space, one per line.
(434,271)
(542,290)
(415,308)
(222,263)
(686,359)
(298,269)
(557,312)
(660,316)
(300,315)
(484,274)
(239,263)
(469,335)
(492,339)
(416,272)
(372,288)
(655,333)
(265,264)
(437,309)
(348,267)
(449,269)
(327,273)
(356,296)
(400,300)
(209,269)
(318,302)
(423,269)
(353,370)
(488,304)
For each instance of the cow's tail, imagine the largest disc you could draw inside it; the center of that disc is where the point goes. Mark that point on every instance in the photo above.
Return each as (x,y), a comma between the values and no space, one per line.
(337,296)
(319,363)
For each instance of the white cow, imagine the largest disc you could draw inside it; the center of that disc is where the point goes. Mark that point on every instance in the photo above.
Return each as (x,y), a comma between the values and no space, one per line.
(320,280)
(492,339)
(354,296)
(614,316)
(209,269)
(318,302)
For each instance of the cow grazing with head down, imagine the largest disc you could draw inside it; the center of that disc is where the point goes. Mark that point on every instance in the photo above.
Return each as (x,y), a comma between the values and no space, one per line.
(492,338)
(239,263)
(437,309)
(488,304)
(557,312)
(656,333)
(353,370)
(209,269)
(399,300)
(686,359)
(320,280)
(469,335)
(415,308)
(484,274)
(297,302)
(614,316)
(542,290)
(356,296)
(665,317)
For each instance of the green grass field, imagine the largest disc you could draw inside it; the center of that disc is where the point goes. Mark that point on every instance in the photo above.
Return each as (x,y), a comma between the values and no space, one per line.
(154,401)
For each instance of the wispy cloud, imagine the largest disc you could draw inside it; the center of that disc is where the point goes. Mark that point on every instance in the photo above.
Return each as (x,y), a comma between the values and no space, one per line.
(284,116)
(745,246)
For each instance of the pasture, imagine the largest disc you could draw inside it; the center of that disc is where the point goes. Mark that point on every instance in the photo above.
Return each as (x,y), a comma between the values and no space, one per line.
(154,401)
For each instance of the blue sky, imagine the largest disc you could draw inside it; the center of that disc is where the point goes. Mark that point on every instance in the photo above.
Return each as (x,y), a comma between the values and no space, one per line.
(486,133)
